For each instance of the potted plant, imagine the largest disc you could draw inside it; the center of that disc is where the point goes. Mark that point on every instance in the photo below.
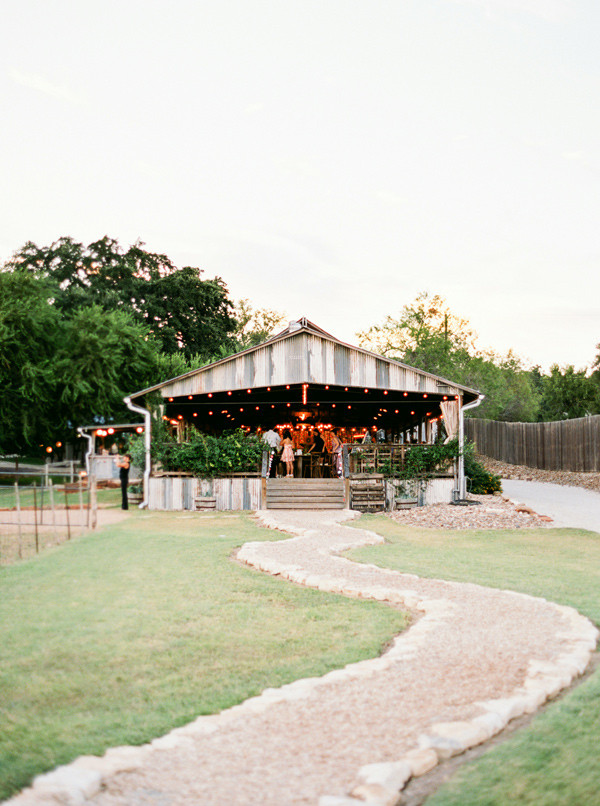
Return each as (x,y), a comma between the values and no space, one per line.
(135,494)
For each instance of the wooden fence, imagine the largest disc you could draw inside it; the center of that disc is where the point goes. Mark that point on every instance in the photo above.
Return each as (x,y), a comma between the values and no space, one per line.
(563,445)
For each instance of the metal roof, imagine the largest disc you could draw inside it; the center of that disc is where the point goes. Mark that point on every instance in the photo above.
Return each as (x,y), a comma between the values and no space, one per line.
(305,353)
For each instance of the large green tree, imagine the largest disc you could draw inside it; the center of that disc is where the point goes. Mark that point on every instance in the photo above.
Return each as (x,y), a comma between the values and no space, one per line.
(101,357)
(185,312)
(567,393)
(59,371)
(29,326)
(429,336)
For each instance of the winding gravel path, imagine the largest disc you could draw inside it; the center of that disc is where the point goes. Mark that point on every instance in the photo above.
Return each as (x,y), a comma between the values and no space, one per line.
(473,659)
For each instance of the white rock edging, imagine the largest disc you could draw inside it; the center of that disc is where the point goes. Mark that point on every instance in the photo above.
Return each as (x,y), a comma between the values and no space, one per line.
(382,783)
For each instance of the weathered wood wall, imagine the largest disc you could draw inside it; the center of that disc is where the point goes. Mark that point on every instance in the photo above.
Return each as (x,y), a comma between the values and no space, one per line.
(563,445)
(176,493)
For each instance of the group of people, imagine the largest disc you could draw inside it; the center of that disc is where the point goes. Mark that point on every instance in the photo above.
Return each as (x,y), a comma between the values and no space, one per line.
(282,450)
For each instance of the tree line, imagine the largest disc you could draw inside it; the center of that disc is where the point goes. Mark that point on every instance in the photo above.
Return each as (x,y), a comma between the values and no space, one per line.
(427,335)
(81,326)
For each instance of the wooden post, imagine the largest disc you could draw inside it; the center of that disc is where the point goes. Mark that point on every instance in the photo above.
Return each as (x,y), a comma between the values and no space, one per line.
(263,493)
(81,507)
(52,511)
(67,513)
(93,501)
(37,542)
(18,501)
(42,488)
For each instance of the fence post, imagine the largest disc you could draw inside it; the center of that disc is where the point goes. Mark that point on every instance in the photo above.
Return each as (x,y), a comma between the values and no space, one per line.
(81,506)
(18,501)
(93,501)
(37,542)
(52,511)
(67,512)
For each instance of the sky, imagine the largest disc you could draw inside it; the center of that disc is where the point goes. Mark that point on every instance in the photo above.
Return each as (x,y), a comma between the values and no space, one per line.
(325,158)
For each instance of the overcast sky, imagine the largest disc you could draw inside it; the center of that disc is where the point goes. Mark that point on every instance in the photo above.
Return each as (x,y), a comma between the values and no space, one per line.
(326,158)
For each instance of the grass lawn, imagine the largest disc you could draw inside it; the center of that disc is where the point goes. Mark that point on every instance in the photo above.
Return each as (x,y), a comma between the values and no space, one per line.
(119,636)
(555,761)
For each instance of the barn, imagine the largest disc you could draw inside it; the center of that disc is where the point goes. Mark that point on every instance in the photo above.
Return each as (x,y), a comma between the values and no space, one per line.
(304,380)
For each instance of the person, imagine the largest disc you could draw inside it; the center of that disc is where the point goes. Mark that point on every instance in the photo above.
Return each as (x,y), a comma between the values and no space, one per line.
(318,449)
(123,463)
(318,444)
(380,436)
(336,451)
(287,455)
(367,438)
(273,440)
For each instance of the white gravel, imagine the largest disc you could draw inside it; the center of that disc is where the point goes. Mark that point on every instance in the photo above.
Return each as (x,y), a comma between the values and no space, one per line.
(470,644)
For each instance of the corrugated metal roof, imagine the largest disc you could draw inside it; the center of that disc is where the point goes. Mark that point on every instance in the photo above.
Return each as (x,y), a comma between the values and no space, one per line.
(305,353)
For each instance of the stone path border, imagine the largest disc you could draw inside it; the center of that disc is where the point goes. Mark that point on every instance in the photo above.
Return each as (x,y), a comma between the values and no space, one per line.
(311,559)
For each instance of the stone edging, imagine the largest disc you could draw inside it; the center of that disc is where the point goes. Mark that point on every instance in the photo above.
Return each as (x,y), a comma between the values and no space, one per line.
(378,784)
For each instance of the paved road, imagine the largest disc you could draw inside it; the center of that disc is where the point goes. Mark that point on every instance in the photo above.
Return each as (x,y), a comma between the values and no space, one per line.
(569,506)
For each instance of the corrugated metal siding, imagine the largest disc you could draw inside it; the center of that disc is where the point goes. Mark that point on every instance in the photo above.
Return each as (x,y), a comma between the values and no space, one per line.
(304,358)
(175,494)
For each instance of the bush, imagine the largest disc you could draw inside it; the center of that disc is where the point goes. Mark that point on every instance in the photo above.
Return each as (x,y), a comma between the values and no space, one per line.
(205,455)
(482,481)
(423,461)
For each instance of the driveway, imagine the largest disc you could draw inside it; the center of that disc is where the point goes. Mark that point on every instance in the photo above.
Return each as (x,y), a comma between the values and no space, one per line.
(568,506)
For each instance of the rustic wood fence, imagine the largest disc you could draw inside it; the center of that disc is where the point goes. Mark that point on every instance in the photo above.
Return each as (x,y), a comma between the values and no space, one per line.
(563,445)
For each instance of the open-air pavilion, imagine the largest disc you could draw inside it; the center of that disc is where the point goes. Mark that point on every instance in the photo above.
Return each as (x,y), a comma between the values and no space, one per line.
(304,379)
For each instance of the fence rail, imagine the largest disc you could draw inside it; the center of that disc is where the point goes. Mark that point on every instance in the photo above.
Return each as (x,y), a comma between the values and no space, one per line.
(563,445)
(36,516)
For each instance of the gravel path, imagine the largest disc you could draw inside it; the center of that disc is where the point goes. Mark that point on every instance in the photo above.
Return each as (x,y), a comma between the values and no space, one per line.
(567,506)
(473,659)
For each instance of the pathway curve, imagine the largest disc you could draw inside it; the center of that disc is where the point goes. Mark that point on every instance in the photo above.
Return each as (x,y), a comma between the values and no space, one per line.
(473,659)
(569,506)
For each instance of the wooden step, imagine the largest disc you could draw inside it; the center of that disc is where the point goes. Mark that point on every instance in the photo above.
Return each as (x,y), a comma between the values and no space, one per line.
(305,494)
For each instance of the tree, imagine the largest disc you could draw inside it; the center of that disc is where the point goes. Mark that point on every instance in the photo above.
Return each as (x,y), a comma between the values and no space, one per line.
(57,371)
(103,356)
(255,325)
(427,335)
(28,331)
(185,312)
(568,393)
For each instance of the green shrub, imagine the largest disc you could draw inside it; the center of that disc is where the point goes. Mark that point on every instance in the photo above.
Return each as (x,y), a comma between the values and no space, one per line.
(204,455)
(423,461)
(482,481)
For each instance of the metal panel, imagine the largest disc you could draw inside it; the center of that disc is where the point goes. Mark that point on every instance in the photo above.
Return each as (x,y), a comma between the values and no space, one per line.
(382,374)
(305,357)
(341,365)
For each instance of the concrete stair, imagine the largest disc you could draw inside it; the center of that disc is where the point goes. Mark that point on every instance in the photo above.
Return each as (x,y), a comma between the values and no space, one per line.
(305,494)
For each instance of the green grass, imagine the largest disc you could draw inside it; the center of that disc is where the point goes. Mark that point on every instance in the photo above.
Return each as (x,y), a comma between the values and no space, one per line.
(107,497)
(121,635)
(555,761)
